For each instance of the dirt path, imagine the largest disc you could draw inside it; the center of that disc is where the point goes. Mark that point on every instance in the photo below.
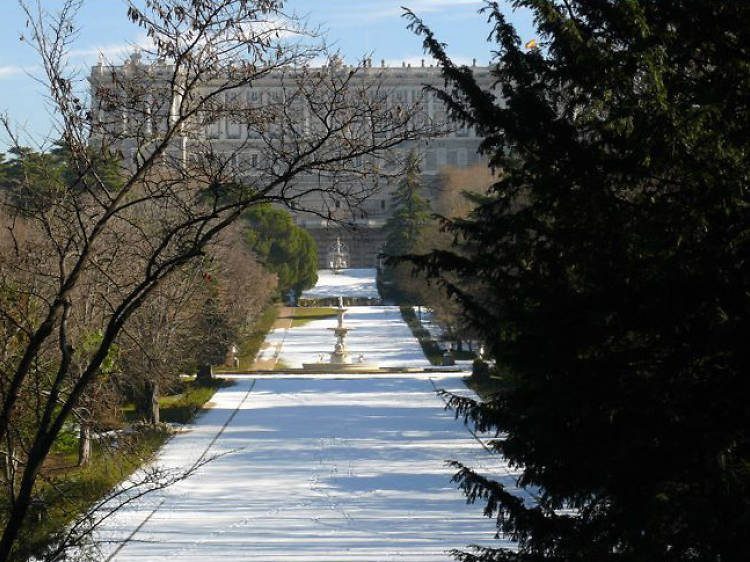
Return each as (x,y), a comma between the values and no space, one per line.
(268,358)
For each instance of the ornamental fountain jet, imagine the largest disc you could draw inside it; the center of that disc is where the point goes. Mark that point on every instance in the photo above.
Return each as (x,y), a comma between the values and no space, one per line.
(340,359)
(340,355)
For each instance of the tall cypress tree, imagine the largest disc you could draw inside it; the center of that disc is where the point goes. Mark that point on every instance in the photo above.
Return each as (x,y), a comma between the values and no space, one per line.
(404,228)
(411,211)
(613,252)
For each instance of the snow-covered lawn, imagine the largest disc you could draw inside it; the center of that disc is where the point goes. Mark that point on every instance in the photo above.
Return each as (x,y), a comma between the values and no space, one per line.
(378,332)
(355,283)
(319,467)
(316,468)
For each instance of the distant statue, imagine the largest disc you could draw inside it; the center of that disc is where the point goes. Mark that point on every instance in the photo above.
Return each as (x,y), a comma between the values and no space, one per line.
(338,256)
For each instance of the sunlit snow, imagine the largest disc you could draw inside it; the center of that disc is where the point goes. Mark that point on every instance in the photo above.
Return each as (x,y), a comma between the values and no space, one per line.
(355,283)
(377,332)
(318,467)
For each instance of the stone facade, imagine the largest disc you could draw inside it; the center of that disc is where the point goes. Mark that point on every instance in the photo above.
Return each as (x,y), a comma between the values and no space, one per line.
(359,228)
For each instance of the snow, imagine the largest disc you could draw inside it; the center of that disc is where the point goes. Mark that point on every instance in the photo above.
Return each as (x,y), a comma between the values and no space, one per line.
(314,468)
(378,332)
(355,283)
(436,332)
(317,467)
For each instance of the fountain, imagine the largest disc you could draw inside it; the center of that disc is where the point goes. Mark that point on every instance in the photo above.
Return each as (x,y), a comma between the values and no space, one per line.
(338,256)
(340,354)
(340,359)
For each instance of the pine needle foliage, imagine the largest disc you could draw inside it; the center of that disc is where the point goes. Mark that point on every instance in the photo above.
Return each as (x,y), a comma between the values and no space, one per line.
(282,247)
(411,212)
(612,251)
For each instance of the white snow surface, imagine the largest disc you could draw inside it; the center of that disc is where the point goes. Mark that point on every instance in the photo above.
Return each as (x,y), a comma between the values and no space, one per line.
(314,468)
(377,332)
(355,283)
(317,467)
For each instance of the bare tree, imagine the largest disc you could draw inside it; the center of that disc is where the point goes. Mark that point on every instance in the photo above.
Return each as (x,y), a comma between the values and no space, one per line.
(177,188)
(455,193)
(192,320)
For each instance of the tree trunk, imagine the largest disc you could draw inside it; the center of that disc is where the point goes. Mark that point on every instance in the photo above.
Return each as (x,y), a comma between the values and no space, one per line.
(84,445)
(10,469)
(205,373)
(153,414)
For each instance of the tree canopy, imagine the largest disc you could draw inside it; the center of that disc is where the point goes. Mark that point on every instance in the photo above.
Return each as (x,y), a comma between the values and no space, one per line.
(86,255)
(612,252)
(411,211)
(283,247)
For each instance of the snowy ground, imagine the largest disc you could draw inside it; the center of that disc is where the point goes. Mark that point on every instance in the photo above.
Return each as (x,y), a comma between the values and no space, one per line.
(318,467)
(355,283)
(378,333)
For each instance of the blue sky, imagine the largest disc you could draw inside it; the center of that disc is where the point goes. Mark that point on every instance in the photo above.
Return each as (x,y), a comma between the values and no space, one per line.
(355,27)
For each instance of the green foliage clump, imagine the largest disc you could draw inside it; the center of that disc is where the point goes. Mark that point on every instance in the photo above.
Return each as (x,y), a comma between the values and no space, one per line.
(35,180)
(611,256)
(282,247)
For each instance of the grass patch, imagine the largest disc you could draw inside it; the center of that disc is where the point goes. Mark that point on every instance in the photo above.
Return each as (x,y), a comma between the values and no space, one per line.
(183,406)
(66,491)
(486,387)
(250,344)
(302,315)
(430,347)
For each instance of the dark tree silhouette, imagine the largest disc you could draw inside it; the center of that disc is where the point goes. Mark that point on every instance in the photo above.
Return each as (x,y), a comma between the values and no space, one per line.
(612,253)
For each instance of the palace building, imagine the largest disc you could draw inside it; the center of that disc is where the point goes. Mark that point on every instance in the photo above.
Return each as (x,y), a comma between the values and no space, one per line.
(360,229)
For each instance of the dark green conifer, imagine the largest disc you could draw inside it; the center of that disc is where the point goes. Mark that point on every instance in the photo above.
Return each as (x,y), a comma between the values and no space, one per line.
(282,247)
(613,251)
(404,229)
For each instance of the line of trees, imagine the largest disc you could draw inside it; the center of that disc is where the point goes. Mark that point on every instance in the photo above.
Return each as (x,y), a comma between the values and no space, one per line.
(607,272)
(91,267)
(416,227)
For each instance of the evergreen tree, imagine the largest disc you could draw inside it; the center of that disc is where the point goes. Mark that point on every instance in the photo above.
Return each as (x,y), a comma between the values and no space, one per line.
(411,214)
(282,247)
(32,180)
(613,255)
(404,230)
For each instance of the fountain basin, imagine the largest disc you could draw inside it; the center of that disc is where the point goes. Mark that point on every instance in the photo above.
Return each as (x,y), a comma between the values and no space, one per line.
(336,367)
